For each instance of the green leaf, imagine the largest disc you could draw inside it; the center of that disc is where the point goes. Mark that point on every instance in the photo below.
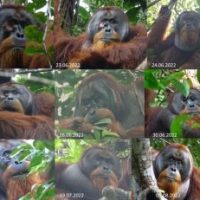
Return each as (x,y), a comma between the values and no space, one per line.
(39,3)
(33,33)
(26,197)
(40,17)
(182,87)
(104,121)
(133,14)
(177,124)
(107,133)
(22,152)
(150,82)
(32,51)
(30,7)
(36,160)
(39,145)
(84,14)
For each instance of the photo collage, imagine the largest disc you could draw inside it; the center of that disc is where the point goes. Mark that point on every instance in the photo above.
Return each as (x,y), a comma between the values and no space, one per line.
(99,100)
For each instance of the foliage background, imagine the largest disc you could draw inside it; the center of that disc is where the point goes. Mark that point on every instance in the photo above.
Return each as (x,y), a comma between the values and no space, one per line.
(70,151)
(38,81)
(154,6)
(134,9)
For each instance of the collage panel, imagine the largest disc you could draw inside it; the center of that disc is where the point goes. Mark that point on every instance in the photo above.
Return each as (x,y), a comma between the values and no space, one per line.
(99,104)
(173,39)
(173,172)
(86,169)
(172,103)
(105,35)
(26,169)
(26,39)
(27,104)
